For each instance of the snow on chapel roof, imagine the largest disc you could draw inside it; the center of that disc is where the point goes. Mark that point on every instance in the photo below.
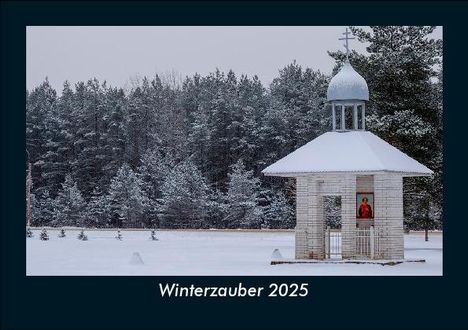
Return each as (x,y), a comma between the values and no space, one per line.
(347,84)
(347,151)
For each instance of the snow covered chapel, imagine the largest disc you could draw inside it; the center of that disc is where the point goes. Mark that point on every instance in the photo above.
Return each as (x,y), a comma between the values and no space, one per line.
(357,166)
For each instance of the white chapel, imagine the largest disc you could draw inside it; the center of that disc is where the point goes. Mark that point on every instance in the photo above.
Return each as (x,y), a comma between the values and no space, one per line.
(365,171)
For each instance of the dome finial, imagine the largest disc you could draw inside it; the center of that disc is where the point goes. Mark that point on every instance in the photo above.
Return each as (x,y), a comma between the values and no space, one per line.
(348,90)
(347,37)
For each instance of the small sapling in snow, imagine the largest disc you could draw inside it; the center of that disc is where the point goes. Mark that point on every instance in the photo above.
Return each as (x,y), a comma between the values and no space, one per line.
(29,232)
(119,235)
(62,233)
(44,236)
(82,236)
(153,235)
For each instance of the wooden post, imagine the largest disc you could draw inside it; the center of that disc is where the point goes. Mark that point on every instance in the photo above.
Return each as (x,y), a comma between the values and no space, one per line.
(28,197)
(363,116)
(333,116)
(327,242)
(426,220)
(343,124)
(355,117)
(371,237)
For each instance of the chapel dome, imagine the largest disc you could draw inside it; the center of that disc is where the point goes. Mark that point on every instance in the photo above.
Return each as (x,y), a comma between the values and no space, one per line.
(347,84)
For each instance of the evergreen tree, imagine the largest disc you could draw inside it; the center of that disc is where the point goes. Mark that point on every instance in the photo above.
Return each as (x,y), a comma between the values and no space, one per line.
(196,96)
(153,235)
(247,121)
(90,151)
(82,236)
(137,134)
(273,134)
(199,140)
(184,197)
(127,199)
(220,107)
(58,143)
(301,95)
(29,232)
(242,209)
(114,135)
(119,235)
(172,128)
(44,236)
(98,209)
(44,209)
(155,167)
(62,233)
(279,213)
(67,112)
(69,205)
(215,209)
(40,109)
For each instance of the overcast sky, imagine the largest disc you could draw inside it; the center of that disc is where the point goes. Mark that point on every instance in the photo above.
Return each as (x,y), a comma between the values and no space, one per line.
(117,54)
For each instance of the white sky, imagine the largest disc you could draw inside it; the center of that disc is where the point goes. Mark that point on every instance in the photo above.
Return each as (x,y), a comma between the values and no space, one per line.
(117,54)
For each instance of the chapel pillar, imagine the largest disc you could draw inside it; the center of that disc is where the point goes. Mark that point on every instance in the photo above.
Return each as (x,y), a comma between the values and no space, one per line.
(388,215)
(348,216)
(310,226)
(301,218)
(315,220)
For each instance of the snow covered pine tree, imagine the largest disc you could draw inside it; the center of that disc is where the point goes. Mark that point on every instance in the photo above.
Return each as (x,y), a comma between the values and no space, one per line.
(82,236)
(242,209)
(153,235)
(62,233)
(126,199)
(44,236)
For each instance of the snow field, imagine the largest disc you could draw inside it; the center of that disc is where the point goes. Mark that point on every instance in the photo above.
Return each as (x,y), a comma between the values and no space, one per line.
(202,253)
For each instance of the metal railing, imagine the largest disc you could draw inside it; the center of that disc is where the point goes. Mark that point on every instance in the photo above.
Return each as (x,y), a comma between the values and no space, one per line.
(332,243)
(366,243)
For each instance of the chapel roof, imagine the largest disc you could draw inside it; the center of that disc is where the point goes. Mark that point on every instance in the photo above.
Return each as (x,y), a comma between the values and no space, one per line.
(346,151)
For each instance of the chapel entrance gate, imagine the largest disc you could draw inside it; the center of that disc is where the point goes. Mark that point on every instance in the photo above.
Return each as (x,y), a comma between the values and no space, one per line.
(331,208)
(366,243)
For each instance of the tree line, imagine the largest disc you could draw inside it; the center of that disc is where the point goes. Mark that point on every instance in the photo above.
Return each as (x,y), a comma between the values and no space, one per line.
(189,154)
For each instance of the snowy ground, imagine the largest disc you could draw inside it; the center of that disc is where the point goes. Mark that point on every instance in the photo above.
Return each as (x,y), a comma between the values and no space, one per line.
(203,253)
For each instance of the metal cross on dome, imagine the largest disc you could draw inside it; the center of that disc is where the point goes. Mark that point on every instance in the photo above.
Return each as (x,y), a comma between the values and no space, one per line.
(347,37)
